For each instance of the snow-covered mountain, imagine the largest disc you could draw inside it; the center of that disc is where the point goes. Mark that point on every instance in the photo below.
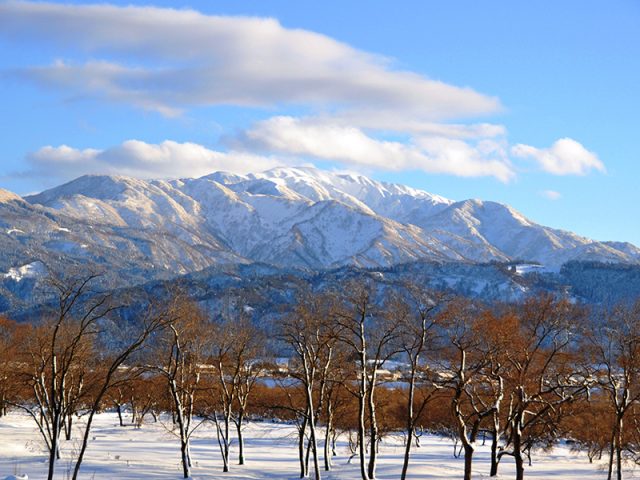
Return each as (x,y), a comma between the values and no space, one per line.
(305,217)
(35,239)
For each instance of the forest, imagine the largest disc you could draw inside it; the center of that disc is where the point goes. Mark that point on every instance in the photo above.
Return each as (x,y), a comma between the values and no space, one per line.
(353,361)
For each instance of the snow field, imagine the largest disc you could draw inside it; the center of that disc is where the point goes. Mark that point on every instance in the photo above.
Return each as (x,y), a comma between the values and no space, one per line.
(127,453)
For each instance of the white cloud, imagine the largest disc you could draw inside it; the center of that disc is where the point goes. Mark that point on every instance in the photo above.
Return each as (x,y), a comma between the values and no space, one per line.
(550,194)
(143,160)
(169,60)
(173,59)
(63,155)
(564,157)
(351,146)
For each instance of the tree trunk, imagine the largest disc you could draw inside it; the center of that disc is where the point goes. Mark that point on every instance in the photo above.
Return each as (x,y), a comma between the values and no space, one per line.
(410,427)
(333,443)
(186,467)
(615,451)
(240,439)
(407,452)
(517,455)
(327,438)
(312,434)
(612,447)
(373,429)
(184,440)
(119,410)
(301,435)
(227,421)
(468,459)
(85,440)
(54,454)
(134,412)
(307,454)
(314,449)
(361,438)
(495,460)
(67,426)
(619,450)
(222,443)
(361,416)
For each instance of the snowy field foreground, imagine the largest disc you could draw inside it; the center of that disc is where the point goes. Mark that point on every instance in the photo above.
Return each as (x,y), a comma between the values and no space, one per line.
(153,452)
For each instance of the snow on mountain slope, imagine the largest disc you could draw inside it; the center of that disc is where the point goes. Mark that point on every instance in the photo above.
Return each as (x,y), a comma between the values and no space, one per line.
(628,248)
(32,234)
(318,219)
(30,270)
(502,229)
(330,234)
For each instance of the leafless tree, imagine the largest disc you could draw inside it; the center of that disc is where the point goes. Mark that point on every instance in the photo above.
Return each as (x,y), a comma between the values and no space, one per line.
(372,334)
(545,372)
(615,346)
(61,362)
(58,353)
(179,359)
(418,314)
(465,362)
(235,351)
(311,333)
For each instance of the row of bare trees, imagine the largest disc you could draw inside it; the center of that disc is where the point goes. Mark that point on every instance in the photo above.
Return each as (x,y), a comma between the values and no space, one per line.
(513,372)
(365,361)
(82,358)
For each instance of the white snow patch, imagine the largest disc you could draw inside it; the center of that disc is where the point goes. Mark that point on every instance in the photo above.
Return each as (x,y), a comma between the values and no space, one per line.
(30,270)
(528,268)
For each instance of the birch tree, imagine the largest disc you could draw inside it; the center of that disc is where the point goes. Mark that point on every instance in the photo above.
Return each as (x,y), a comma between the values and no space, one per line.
(465,367)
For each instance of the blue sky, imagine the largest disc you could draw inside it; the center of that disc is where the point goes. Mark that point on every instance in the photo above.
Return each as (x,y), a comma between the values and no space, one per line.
(532,104)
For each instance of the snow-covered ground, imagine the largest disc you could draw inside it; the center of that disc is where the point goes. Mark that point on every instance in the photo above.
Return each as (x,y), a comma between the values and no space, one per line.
(153,452)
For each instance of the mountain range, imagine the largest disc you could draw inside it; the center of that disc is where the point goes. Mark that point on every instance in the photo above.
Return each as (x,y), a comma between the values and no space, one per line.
(290,218)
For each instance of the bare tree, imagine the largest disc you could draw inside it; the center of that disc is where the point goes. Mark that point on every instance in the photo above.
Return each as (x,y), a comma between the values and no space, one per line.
(496,333)
(418,314)
(234,354)
(464,368)
(372,334)
(615,346)
(544,371)
(310,332)
(333,398)
(58,351)
(180,357)
(61,362)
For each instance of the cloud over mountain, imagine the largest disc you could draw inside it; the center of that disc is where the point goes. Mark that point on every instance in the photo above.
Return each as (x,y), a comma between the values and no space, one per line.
(222,60)
(139,159)
(327,100)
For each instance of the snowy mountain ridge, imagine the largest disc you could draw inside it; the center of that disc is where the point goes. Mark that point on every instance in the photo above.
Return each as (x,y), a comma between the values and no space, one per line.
(310,218)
